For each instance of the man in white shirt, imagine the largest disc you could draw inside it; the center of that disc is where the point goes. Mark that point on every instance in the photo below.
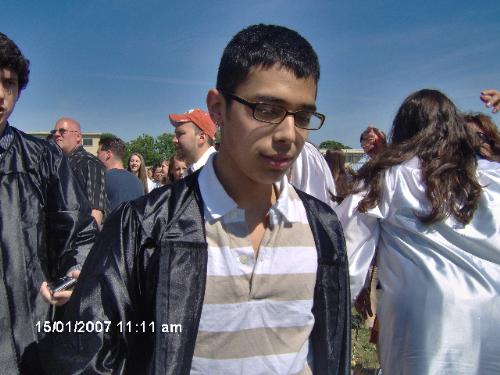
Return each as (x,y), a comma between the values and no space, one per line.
(194,137)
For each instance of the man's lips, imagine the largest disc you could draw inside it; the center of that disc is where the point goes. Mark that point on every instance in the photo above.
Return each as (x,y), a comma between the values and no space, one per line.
(278,161)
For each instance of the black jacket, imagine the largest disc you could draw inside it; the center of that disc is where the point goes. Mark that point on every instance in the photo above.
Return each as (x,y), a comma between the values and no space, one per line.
(45,229)
(149,265)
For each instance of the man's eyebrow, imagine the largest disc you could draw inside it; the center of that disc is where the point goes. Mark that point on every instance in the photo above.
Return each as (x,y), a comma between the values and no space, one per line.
(282,103)
(10,79)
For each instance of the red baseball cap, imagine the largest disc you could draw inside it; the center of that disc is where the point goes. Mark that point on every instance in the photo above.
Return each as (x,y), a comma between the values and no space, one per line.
(198,117)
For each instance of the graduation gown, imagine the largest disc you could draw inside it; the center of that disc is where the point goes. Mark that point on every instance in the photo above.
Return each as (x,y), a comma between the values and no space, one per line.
(148,268)
(45,229)
(439,306)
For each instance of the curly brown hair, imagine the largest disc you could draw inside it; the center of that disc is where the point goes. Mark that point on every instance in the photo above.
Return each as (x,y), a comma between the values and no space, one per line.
(486,138)
(428,126)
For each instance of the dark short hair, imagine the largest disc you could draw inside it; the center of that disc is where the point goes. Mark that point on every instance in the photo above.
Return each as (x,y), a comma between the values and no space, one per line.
(155,167)
(113,144)
(264,46)
(11,58)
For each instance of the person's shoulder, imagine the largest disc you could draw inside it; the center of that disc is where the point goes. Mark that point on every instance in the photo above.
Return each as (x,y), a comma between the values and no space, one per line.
(169,195)
(487,165)
(86,158)
(36,147)
(130,178)
(155,209)
(28,138)
(311,202)
(488,173)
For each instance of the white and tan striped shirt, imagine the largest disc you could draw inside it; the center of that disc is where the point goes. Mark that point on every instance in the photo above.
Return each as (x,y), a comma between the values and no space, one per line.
(256,316)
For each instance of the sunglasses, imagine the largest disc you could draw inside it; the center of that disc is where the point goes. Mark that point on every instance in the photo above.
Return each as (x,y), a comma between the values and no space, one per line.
(63,131)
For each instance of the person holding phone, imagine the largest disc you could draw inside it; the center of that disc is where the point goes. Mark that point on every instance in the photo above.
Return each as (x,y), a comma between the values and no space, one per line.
(46,229)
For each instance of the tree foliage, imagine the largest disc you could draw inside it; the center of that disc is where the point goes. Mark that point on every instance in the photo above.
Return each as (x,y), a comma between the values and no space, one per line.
(154,150)
(333,145)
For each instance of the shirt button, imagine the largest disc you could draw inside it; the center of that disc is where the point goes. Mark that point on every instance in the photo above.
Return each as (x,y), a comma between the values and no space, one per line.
(243,259)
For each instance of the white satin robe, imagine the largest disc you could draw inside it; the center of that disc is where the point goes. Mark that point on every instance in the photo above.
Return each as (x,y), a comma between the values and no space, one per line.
(439,309)
(310,173)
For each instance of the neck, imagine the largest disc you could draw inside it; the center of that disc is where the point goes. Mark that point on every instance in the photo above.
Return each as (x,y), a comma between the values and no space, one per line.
(70,151)
(247,194)
(2,127)
(114,164)
(200,152)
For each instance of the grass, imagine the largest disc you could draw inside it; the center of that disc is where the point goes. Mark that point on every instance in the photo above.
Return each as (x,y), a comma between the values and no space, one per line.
(364,353)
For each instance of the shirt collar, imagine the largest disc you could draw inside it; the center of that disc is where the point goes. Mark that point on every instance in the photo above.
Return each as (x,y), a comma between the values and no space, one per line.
(217,203)
(6,137)
(203,160)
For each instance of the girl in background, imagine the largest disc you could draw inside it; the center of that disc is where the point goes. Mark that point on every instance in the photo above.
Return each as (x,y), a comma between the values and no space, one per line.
(432,210)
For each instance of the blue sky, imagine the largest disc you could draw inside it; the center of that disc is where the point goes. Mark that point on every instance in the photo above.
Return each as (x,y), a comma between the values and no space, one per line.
(123,66)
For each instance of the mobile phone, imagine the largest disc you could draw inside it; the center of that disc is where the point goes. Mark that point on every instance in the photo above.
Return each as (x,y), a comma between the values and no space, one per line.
(62,283)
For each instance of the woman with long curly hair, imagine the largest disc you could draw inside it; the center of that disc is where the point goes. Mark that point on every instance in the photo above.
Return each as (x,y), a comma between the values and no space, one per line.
(432,210)
(137,166)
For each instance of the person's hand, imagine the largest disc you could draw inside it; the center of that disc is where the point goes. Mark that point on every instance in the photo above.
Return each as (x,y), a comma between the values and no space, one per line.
(492,99)
(363,304)
(58,298)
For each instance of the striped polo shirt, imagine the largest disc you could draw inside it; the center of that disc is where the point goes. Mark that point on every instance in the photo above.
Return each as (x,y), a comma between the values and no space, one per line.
(256,316)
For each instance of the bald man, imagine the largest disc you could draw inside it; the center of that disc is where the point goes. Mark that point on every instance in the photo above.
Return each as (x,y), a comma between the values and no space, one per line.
(88,169)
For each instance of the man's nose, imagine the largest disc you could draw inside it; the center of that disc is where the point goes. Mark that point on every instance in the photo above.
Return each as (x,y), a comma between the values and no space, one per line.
(285,131)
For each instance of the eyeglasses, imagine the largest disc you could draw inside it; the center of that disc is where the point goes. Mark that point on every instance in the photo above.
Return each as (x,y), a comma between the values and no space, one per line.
(63,131)
(275,114)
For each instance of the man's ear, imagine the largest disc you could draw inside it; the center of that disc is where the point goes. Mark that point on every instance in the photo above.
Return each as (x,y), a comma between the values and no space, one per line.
(202,138)
(216,106)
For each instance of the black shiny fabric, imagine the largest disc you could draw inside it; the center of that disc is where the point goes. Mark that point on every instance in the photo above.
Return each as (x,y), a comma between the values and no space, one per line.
(149,265)
(45,229)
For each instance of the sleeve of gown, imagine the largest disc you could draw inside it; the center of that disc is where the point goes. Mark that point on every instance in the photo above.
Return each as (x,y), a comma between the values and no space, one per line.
(70,227)
(362,230)
(361,233)
(104,293)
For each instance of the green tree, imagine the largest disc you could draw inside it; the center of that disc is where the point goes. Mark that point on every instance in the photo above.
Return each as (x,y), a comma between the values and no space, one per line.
(154,150)
(145,145)
(164,146)
(333,145)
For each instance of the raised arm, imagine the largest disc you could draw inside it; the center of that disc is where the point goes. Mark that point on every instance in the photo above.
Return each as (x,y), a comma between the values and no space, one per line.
(492,99)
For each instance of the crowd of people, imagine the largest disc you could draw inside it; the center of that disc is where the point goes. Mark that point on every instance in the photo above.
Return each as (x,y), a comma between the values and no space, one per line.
(246,259)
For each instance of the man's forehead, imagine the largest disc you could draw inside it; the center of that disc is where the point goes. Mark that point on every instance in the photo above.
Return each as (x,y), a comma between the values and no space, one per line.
(184,125)
(264,87)
(65,124)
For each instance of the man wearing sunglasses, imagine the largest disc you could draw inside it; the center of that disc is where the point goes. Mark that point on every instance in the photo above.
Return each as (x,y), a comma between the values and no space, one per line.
(230,270)
(46,229)
(88,170)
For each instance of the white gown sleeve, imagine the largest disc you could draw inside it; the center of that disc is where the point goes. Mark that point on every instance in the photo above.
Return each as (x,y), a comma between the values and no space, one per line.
(361,233)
